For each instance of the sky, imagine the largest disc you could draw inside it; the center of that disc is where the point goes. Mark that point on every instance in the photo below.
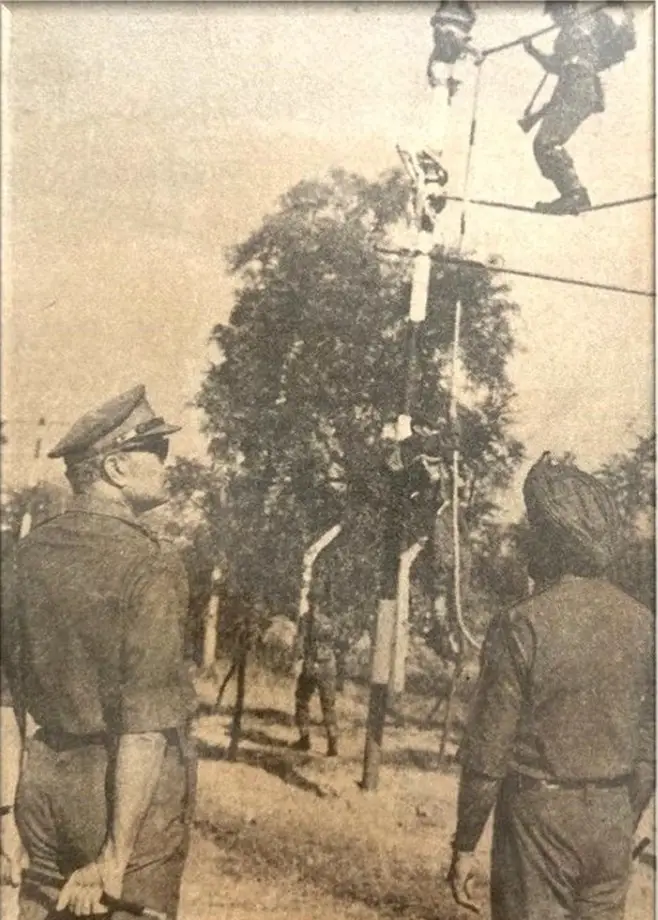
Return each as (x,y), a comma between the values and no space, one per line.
(142,140)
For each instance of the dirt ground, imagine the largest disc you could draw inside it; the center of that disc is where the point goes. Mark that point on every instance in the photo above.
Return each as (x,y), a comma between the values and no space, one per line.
(285,835)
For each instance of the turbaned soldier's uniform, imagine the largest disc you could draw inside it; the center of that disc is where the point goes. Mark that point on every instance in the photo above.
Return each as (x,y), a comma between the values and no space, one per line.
(562,732)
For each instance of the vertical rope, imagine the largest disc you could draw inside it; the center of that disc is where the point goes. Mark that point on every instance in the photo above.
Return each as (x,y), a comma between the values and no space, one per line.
(457,594)
(469,158)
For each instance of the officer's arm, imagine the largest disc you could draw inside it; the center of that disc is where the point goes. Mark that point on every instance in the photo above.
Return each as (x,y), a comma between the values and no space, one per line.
(643,780)
(10,690)
(153,702)
(489,740)
(11,850)
(138,766)
(11,720)
(11,754)
(137,769)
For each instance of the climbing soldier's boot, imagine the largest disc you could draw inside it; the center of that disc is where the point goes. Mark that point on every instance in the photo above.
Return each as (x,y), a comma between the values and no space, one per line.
(332,747)
(304,744)
(571,203)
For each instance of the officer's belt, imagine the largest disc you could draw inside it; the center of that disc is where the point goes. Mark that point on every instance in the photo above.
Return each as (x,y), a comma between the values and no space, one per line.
(523,781)
(60,741)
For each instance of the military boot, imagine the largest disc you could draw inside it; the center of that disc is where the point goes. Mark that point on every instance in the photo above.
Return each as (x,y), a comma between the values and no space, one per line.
(571,203)
(332,747)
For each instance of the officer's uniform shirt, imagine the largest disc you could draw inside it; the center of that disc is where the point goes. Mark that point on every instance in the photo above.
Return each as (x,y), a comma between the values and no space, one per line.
(5,690)
(98,613)
(566,689)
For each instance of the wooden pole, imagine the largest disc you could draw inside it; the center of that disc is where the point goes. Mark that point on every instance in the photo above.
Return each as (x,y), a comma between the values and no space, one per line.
(378,704)
(308,563)
(26,520)
(211,620)
(401,631)
(238,711)
(388,604)
(224,684)
(447,723)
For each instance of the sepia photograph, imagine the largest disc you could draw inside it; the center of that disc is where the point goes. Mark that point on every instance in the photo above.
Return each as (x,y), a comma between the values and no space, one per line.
(328,460)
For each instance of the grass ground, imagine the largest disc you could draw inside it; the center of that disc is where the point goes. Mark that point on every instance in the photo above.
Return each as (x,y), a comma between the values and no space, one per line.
(285,835)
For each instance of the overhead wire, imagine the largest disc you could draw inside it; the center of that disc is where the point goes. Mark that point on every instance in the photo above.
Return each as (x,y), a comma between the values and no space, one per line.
(555,278)
(606,205)
(465,201)
(500,269)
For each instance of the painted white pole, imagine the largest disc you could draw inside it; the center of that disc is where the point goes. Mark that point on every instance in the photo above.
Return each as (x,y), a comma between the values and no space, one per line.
(401,632)
(308,562)
(210,623)
(26,520)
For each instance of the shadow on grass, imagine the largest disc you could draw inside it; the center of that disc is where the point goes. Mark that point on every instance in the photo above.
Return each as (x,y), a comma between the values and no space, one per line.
(280,764)
(265,714)
(270,716)
(420,759)
(345,870)
(256,736)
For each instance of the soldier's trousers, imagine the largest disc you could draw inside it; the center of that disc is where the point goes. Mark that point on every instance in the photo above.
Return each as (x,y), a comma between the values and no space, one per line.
(576,97)
(560,854)
(62,806)
(321,677)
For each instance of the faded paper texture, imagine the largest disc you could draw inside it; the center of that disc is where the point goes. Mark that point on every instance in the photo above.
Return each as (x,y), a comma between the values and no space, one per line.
(141,142)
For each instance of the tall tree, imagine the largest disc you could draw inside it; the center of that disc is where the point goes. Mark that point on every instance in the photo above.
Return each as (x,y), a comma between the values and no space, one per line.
(312,366)
(631,477)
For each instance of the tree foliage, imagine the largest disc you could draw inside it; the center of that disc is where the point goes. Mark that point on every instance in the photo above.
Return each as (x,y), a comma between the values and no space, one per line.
(312,367)
(631,477)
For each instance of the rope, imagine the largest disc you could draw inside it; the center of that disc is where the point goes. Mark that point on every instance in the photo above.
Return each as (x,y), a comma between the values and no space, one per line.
(574,281)
(526,38)
(487,203)
(621,202)
(512,271)
(457,596)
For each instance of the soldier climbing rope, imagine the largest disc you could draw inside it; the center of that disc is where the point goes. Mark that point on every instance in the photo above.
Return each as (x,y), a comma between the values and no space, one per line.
(586,44)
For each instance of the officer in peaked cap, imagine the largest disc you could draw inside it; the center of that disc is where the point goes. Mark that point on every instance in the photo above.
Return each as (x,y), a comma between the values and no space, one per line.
(125,422)
(93,641)
(561,737)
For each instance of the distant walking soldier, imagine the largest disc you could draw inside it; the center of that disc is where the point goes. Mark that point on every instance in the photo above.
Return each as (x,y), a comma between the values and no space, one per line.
(93,645)
(561,735)
(587,43)
(315,652)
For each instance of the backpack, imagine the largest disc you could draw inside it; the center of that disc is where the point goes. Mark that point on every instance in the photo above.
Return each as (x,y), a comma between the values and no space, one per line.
(613,40)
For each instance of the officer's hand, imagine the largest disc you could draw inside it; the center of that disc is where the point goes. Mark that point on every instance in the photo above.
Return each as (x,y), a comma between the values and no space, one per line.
(83,891)
(460,879)
(13,858)
(528,46)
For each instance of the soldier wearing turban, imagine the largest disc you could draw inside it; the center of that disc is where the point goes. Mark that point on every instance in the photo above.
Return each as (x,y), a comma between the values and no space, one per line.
(561,735)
